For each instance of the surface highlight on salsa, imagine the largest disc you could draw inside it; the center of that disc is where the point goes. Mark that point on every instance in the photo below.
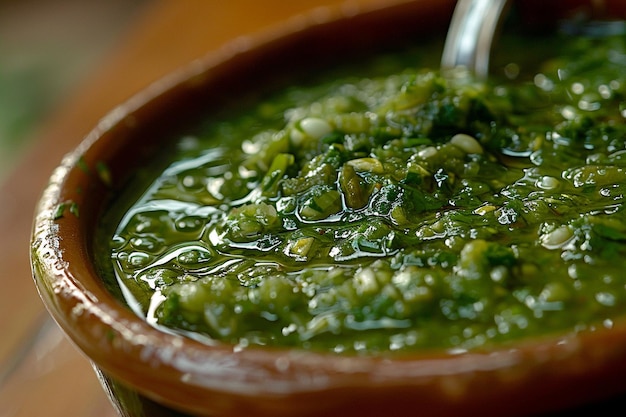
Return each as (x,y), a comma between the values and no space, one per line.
(394,213)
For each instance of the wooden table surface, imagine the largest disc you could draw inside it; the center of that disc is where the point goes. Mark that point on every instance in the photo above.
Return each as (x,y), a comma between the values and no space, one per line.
(41,373)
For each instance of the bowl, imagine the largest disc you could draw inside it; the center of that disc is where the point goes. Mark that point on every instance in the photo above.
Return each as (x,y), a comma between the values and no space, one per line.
(150,372)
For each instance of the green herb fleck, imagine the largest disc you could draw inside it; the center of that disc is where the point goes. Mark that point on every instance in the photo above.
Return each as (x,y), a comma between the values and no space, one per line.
(82,165)
(104,173)
(70,205)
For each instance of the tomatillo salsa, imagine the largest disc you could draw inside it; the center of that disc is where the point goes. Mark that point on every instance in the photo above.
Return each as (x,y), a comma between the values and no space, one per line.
(392,213)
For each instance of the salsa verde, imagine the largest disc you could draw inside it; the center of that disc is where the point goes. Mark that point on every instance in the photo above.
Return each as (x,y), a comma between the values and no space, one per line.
(409,211)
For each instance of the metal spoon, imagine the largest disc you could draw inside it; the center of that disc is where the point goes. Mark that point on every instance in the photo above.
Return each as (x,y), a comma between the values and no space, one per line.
(471,32)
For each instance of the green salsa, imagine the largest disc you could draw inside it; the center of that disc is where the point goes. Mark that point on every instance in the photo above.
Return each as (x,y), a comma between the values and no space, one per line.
(394,213)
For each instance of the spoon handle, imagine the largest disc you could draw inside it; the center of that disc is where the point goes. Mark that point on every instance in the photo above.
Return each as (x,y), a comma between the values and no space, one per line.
(469,38)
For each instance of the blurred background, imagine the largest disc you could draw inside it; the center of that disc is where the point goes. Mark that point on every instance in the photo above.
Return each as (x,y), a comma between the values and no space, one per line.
(47,47)
(48,51)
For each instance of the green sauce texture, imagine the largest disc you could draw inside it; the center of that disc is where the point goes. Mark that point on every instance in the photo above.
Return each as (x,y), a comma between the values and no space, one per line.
(394,213)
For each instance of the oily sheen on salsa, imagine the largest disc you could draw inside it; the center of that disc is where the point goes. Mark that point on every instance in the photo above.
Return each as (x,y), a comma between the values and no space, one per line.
(400,211)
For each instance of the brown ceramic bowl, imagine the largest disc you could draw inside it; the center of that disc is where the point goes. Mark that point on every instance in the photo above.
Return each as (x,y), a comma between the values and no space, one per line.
(152,373)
